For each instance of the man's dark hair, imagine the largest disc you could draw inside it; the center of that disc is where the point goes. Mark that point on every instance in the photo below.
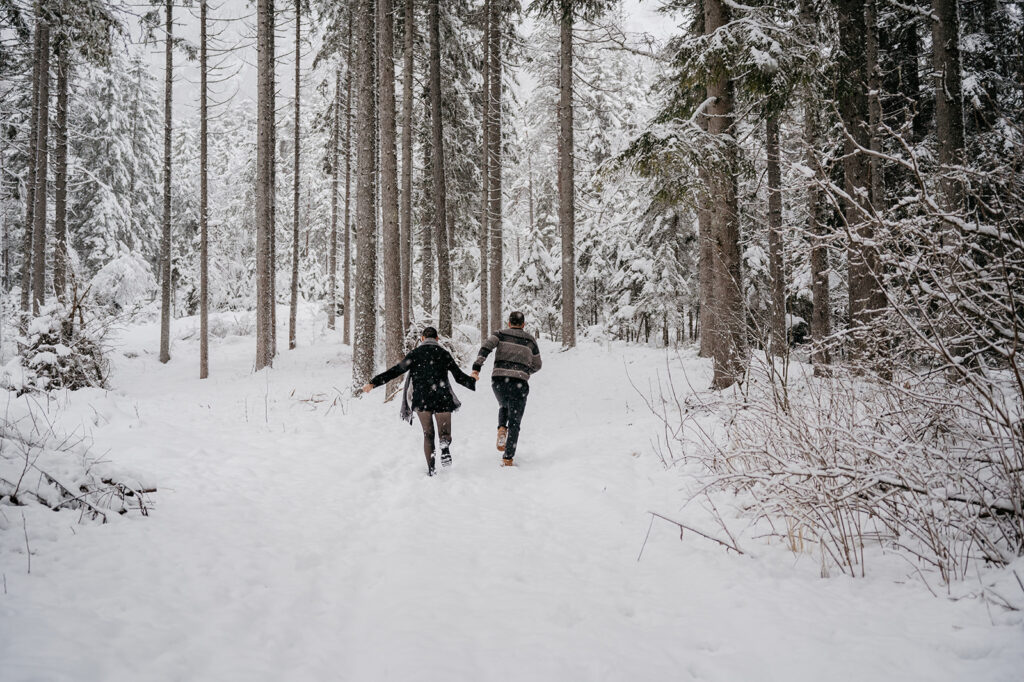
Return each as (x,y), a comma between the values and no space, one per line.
(429,333)
(517,319)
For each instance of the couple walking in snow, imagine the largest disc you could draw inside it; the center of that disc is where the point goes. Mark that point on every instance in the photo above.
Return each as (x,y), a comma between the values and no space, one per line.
(428,393)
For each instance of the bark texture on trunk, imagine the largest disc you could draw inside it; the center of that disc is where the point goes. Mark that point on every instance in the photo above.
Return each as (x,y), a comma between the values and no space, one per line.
(485,155)
(427,238)
(42,159)
(346,272)
(391,242)
(778,343)
(294,299)
(444,278)
(494,220)
(204,195)
(705,259)
(949,114)
(332,250)
(264,183)
(821,314)
(728,346)
(30,189)
(853,109)
(60,203)
(165,239)
(366,199)
(567,180)
(406,207)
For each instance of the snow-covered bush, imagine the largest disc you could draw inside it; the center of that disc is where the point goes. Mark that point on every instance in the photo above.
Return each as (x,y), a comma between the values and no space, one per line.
(123,283)
(59,349)
(42,464)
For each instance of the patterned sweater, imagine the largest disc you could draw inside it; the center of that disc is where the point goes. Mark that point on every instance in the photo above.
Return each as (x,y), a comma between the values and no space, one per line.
(516,354)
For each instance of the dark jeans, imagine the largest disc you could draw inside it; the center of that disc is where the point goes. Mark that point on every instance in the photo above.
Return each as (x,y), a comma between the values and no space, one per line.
(444,429)
(511,395)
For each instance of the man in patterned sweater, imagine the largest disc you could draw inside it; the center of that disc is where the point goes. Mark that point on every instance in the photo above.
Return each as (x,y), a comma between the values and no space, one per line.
(516,358)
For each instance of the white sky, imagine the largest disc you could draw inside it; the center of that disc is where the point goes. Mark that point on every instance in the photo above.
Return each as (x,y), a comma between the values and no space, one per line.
(641,16)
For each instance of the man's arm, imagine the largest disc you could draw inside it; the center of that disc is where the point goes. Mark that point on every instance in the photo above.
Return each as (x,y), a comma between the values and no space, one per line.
(535,359)
(489,344)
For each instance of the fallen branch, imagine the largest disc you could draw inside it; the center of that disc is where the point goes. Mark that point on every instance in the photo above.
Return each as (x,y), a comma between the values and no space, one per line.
(683,526)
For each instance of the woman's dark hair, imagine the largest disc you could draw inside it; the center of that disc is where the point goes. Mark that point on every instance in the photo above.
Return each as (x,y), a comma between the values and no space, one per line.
(429,333)
(517,319)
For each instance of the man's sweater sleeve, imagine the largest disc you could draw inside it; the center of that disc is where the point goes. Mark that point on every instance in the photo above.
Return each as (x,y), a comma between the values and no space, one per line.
(535,359)
(489,344)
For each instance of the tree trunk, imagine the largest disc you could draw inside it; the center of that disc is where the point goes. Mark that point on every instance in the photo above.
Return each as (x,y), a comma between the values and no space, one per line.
(293,310)
(60,231)
(853,109)
(567,181)
(949,121)
(406,217)
(874,84)
(821,314)
(272,161)
(347,250)
(444,278)
(30,189)
(332,251)
(264,183)
(494,138)
(427,241)
(165,240)
(392,238)
(778,342)
(204,197)
(728,346)
(485,176)
(42,159)
(366,204)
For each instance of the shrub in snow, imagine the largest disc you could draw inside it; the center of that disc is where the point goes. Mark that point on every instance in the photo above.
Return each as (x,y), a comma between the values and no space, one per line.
(58,349)
(41,465)
(123,284)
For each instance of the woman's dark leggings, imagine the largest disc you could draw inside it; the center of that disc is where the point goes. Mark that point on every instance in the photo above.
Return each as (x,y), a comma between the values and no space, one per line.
(444,429)
(511,394)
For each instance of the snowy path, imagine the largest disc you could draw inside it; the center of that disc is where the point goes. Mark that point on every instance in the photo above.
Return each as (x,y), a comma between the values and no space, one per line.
(290,542)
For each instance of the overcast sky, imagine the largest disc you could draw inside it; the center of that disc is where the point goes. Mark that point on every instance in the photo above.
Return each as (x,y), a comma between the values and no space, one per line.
(237,28)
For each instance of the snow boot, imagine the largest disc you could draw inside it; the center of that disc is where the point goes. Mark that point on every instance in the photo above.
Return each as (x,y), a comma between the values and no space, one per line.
(502,436)
(446,457)
(507,462)
(430,466)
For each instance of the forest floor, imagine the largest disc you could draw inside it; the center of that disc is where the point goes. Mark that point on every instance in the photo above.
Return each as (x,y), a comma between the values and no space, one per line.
(295,536)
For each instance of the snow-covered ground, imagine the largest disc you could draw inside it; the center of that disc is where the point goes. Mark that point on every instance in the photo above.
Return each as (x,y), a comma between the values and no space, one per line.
(295,536)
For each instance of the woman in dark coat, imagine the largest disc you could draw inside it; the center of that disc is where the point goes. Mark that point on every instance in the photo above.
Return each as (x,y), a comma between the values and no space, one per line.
(428,392)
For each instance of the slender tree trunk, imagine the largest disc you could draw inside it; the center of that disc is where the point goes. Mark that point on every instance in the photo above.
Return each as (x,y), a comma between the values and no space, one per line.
(705,261)
(392,237)
(567,180)
(30,204)
(821,314)
(406,208)
(427,239)
(366,204)
(204,199)
(485,175)
(165,240)
(293,310)
(949,115)
(42,158)
(853,109)
(332,252)
(871,52)
(729,343)
(778,342)
(347,250)
(60,232)
(272,160)
(444,277)
(264,183)
(496,267)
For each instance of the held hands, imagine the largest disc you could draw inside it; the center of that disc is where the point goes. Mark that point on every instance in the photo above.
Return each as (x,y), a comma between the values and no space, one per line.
(367,388)
(475,375)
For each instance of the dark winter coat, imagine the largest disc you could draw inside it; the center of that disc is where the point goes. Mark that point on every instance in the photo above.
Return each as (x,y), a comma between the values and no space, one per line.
(428,365)
(516,354)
